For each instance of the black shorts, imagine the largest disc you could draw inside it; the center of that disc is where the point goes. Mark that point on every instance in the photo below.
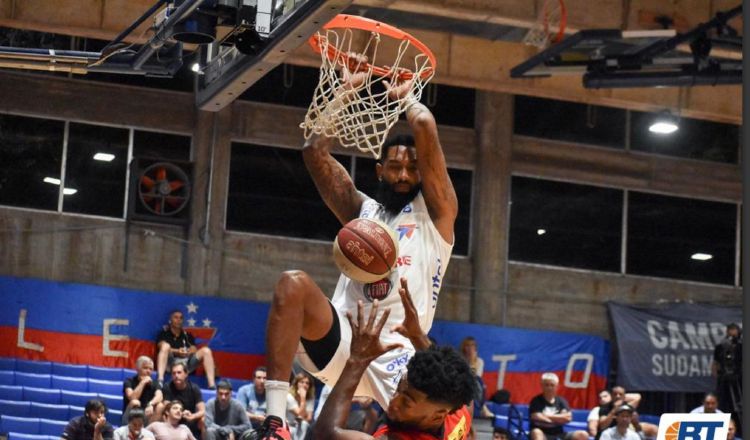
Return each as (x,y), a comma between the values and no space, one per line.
(321,351)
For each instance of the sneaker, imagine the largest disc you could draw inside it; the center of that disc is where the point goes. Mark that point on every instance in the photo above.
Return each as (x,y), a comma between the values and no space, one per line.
(273,429)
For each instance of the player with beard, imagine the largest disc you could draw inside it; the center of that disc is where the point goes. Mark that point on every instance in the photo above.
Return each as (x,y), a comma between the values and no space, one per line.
(416,198)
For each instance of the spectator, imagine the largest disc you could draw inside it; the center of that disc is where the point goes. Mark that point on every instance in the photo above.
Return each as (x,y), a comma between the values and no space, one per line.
(593,418)
(170,428)
(140,391)
(548,412)
(731,430)
(621,430)
(253,398)
(300,405)
(189,395)
(173,342)
(92,425)
(469,351)
(727,368)
(500,434)
(226,418)
(710,405)
(133,430)
(607,413)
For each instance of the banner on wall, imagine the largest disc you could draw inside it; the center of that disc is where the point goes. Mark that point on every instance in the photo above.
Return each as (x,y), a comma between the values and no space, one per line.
(669,347)
(107,326)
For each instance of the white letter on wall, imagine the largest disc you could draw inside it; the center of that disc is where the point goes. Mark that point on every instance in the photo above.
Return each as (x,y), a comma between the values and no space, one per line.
(584,383)
(22,330)
(107,337)
(503,359)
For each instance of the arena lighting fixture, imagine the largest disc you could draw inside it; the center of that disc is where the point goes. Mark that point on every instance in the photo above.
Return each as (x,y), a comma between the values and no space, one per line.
(664,123)
(69,191)
(701,256)
(541,231)
(52,180)
(104,157)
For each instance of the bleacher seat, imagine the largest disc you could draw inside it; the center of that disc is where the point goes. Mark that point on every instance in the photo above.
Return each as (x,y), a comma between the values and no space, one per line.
(70,383)
(11,392)
(105,386)
(497,409)
(580,415)
(36,367)
(114,417)
(70,370)
(50,411)
(7,377)
(104,373)
(127,372)
(52,427)
(14,408)
(33,380)
(41,395)
(648,418)
(8,364)
(23,425)
(208,394)
(76,411)
(76,398)
(201,381)
(111,400)
(20,436)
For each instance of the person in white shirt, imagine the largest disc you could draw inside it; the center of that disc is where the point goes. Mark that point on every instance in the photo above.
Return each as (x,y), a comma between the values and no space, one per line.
(134,429)
(623,417)
(592,420)
(710,405)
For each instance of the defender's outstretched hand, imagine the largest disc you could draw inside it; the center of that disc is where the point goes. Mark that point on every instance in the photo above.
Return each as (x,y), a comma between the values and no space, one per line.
(366,345)
(410,328)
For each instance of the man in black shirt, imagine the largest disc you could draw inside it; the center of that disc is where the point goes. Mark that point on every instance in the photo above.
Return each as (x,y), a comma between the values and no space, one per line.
(180,388)
(548,412)
(140,391)
(727,368)
(92,425)
(173,342)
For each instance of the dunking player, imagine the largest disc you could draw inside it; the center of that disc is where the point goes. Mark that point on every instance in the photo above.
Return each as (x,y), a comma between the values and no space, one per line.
(416,198)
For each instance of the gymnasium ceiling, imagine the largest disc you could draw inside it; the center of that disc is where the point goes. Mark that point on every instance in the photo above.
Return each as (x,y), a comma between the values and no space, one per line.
(476,42)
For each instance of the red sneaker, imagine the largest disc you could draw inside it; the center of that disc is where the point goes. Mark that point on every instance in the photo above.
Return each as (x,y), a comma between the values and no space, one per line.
(274,429)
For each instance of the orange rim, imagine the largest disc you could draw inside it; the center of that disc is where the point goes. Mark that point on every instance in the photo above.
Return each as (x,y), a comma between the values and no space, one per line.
(344,21)
(563,21)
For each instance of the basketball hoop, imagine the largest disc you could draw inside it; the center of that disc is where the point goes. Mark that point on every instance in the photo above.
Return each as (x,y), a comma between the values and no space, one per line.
(362,117)
(550,25)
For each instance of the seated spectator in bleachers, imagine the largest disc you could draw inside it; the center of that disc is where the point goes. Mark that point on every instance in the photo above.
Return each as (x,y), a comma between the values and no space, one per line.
(619,398)
(500,434)
(548,412)
(592,421)
(134,430)
(226,419)
(710,405)
(92,425)
(621,430)
(253,397)
(170,428)
(173,342)
(189,394)
(140,391)
(470,353)
(732,430)
(300,405)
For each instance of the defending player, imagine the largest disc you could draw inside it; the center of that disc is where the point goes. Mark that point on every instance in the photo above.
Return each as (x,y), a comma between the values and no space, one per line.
(416,198)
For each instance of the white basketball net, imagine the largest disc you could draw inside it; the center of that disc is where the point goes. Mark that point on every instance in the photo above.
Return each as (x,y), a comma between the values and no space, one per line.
(362,117)
(546,26)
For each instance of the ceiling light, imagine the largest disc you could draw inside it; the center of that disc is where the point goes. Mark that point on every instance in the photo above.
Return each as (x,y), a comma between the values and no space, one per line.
(195,67)
(701,257)
(541,231)
(664,123)
(104,157)
(52,180)
(69,191)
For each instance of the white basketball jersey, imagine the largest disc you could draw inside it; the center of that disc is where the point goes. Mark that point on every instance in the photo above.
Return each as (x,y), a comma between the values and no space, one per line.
(422,259)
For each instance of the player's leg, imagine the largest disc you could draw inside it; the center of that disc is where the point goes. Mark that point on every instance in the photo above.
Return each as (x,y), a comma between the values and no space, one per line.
(299,310)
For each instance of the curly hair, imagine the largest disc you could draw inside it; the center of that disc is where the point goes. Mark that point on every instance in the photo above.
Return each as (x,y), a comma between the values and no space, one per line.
(443,375)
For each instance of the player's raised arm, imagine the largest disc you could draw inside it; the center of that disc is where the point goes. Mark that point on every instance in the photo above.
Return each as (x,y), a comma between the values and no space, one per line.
(437,187)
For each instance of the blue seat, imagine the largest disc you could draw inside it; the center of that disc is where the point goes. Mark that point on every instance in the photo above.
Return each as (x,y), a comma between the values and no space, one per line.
(648,418)
(201,381)
(76,398)
(41,395)
(33,380)
(75,411)
(114,417)
(36,367)
(112,401)
(50,411)
(7,377)
(70,383)
(580,415)
(12,408)
(105,386)
(572,426)
(8,364)
(20,436)
(127,372)
(23,425)
(498,409)
(70,370)
(52,427)
(11,392)
(104,373)
(208,394)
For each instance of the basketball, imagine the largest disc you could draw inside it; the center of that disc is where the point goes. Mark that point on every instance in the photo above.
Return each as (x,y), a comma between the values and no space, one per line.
(365,250)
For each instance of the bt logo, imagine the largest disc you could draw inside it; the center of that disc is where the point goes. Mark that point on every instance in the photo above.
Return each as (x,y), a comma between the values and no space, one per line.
(693,427)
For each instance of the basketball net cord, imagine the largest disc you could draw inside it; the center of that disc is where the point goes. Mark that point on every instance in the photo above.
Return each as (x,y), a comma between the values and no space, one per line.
(544,30)
(363,116)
